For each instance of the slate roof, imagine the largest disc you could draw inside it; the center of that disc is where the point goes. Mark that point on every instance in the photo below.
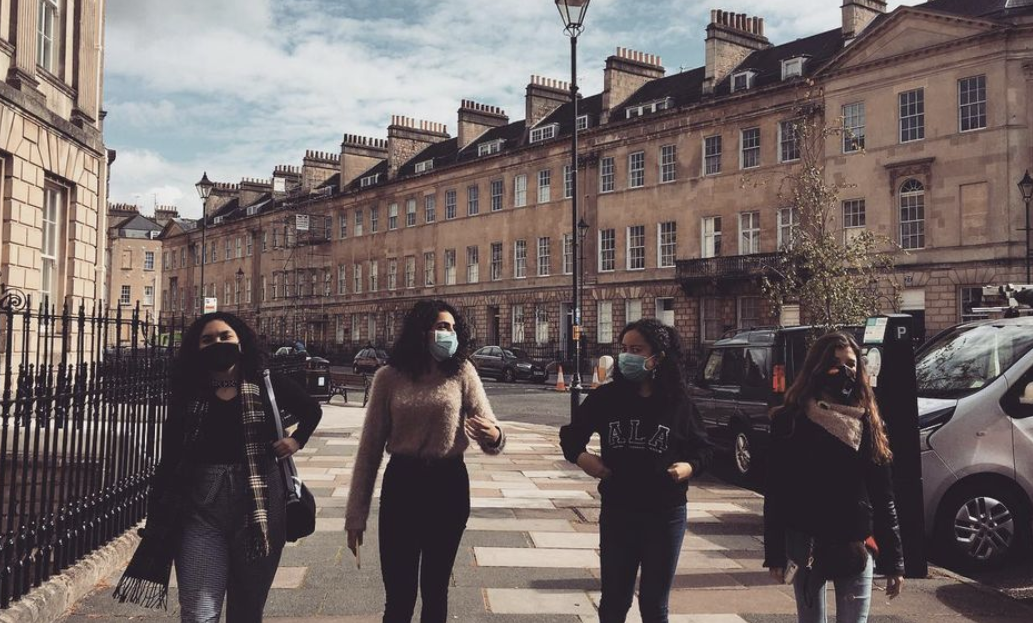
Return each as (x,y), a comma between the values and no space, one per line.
(818,49)
(137,223)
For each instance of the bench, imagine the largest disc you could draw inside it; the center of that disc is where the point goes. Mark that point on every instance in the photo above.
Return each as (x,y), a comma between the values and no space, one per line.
(342,382)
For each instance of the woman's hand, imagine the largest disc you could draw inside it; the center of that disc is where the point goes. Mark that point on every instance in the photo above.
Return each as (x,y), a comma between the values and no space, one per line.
(481,430)
(593,465)
(355,541)
(285,447)
(778,574)
(894,584)
(680,471)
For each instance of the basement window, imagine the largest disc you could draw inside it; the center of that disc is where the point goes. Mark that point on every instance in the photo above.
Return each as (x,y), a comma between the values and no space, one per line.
(544,133)
(743,80)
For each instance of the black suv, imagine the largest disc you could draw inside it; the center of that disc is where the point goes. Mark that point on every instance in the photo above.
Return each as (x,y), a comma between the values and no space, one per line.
(742,378)
(507,364)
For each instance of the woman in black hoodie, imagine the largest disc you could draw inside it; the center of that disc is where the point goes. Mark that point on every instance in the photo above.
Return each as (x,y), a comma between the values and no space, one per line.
(829,512)
(653,441)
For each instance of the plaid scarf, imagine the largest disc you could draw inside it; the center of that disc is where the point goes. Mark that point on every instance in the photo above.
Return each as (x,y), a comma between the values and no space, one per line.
(146,579)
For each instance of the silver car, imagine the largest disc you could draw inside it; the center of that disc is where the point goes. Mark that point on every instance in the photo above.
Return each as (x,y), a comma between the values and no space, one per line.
(975,387)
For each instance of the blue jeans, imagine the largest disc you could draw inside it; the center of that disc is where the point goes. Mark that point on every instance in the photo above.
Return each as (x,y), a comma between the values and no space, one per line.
(853,595)
(628,539)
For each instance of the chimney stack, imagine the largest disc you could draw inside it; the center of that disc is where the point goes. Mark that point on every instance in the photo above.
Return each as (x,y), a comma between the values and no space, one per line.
(731,37)
(358,155)
(475,119)
(544,95)
(164,214)
(857,14)
(251,189)
(626,72)
(407,137)
(317,167)
(286,178)
(222,193)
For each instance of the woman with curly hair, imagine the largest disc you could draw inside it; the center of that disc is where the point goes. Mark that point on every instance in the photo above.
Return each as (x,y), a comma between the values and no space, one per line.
(829,512)
(217,503)
(652,441)
(424,406)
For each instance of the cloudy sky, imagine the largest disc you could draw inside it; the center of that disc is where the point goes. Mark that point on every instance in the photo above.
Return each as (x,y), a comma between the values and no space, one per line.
(235,87)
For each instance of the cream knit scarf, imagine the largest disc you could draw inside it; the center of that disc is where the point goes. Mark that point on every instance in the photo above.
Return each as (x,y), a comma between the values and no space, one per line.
(841,421)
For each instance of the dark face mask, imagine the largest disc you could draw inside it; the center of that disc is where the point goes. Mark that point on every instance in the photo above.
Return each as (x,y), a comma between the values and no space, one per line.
(220,356)
(841,385)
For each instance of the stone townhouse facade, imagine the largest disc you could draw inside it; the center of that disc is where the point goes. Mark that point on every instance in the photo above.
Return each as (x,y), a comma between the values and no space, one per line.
(677,181)
(53,161)
(133,259)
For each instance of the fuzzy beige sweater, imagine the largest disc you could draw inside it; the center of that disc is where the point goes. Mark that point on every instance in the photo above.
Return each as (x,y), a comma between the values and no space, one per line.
(422,418)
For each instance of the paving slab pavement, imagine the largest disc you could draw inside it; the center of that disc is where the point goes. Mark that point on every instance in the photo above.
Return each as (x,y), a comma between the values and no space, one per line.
(530,553)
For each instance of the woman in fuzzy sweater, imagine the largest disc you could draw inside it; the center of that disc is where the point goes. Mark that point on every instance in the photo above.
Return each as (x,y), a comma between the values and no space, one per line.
(829,512)
(424,407)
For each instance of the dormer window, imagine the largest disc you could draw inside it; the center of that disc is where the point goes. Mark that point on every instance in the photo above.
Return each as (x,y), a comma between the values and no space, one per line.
(650,107)
(489,147)
(423,167)
(218,220)
(582,123)
(544,133)
(369,180)
(252,210)
(743,80)
(793,67)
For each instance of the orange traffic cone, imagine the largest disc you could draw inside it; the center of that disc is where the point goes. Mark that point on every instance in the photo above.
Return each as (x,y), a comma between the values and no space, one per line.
(561,385)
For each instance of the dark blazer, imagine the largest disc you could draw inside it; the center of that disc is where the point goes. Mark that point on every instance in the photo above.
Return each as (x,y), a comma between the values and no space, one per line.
(820,486)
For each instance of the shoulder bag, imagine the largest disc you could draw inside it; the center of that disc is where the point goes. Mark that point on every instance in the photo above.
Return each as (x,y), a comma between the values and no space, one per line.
(301,505)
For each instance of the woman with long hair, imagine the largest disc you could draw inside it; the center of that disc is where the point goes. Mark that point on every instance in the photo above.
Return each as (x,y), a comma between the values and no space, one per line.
(424,407)
(653,442)
(829,511)
(217,503)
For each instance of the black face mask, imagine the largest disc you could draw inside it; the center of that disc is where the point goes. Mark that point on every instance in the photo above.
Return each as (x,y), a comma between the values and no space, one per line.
(841,385)
(220,356)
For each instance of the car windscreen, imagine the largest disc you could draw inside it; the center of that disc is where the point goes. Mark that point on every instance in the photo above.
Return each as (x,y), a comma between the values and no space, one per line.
(966,359)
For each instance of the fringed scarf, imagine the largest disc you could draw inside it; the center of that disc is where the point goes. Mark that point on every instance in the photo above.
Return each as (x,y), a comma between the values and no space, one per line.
(841,421)
(146,579)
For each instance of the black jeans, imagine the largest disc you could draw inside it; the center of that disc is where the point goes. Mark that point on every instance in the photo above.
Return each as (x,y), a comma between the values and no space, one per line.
(424,506)
(629,538)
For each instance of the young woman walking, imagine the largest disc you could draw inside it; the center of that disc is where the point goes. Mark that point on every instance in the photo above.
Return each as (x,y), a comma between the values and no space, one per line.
(423,407)
(829,512)
(652,441)
(217,501)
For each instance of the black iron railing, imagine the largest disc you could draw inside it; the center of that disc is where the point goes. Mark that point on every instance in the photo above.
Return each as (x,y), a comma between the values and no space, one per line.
(731,267)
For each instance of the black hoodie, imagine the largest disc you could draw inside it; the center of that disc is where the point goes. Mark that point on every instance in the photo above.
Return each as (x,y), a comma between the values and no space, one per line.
(640,438)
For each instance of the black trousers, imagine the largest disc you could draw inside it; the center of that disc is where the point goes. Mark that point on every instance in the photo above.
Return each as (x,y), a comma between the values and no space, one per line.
(424,506)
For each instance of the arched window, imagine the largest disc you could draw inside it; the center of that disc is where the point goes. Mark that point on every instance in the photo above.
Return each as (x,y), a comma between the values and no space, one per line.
(912,214)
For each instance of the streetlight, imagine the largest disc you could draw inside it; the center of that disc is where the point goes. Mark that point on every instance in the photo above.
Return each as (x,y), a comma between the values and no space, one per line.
(240,280)
(573,14)
(1026,188)
(582,232)
(204,190)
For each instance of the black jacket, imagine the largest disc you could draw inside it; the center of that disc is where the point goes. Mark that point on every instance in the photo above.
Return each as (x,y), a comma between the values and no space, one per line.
(820,486)
(640,439)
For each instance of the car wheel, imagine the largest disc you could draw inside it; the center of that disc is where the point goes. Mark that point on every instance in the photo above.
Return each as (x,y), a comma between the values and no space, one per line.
(508,376)
(982,526)
(742,452)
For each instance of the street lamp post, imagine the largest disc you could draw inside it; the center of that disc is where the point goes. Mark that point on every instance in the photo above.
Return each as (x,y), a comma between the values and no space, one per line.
(1026,187)
(204,190)
(573,14)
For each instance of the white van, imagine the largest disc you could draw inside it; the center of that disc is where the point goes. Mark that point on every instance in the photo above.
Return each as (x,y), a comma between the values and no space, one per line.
(975,388)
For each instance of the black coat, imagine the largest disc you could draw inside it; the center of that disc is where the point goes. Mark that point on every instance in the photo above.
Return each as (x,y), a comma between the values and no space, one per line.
(820,486)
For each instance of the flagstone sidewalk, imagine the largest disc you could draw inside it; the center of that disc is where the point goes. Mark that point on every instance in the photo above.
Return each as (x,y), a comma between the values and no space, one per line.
(530,553)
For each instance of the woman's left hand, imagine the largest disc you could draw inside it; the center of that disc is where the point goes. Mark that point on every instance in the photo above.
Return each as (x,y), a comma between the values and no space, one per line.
(680,471)
(894,584)
(285,447)
(481,430)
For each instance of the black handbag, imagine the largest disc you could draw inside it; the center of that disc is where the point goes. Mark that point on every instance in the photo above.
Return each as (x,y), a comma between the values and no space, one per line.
(301,504)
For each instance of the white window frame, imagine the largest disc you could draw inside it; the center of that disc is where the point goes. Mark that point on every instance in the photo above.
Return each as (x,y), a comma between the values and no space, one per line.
(915,197)
(854,218)
(637,169)
(666,244)
(749,232)
(568,182)
(357,278)
(374,276)
(488,148)
(496,262)
(473,200)
(357,229)
(392,274)
(429,269)
(668,163)
(607,174)
(604,322)
(451,203)
(410,272)
(607,250)
(520,191)
(342,280)
(450,267)
(787,226)
(635,241)
(544,185)
(374,219)
(48,35)
(369,180)
(853,127)
(793,67)
(911,115)
(125,297)
(582,123)
(430,208)
(473,264)
(788,141)
(392,216)
(748,75)
(53,245)
(710,236)
(497,191)
(148,260)
(410,212)
(519,259)
(632,310)
(424,166)
(516,324)
(544,133)
(753,148)
(972,104)
(342,228)
(568,255)
(712,157)
(544,264)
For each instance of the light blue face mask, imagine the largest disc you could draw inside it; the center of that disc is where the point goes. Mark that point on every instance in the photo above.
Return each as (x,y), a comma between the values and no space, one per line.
(444,345)
(633,367)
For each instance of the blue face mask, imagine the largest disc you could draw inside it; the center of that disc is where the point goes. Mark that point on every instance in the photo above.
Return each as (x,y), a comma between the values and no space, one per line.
(633,367)
(444,345)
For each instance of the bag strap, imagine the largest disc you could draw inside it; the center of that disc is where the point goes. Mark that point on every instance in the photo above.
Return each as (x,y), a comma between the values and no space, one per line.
(289,470)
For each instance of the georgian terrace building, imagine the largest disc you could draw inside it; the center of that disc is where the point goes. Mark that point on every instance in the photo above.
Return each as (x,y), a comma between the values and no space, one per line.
(678,183)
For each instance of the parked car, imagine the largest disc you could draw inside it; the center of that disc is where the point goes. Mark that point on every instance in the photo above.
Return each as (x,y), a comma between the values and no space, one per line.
(369,360)
(975,388)
(742,378)
(507,364)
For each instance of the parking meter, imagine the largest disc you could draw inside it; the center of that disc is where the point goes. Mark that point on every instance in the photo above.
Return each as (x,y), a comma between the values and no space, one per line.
(890,359)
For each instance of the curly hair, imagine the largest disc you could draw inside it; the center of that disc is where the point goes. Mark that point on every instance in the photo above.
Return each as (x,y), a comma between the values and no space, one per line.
(820,358)
(411,350)
(190,377)
(668,375)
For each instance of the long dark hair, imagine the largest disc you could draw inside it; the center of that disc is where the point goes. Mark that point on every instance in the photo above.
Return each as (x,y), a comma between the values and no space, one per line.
(189,376)
(411,350)
(808,384)
(668,376)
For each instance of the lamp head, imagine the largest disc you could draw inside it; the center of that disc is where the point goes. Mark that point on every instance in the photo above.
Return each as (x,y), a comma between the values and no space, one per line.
(240,273)
(573,14)
(1026,186)
(582,228)
(204,187)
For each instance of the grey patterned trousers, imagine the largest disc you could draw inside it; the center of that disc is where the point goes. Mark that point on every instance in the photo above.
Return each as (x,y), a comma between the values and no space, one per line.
(210,565)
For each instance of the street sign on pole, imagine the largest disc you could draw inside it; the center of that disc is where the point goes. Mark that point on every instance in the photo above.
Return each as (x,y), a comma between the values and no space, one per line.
(211,304)
(301,222)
